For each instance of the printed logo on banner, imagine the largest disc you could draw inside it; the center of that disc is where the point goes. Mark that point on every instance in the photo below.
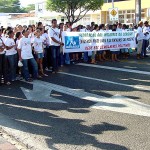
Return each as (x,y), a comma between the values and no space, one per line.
(72,42)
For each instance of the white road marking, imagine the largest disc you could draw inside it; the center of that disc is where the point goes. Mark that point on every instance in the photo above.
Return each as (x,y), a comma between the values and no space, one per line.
(115,68)
(115,103)
(138,87)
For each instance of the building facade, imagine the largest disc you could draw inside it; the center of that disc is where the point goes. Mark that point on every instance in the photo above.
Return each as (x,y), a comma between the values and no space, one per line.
(126,12)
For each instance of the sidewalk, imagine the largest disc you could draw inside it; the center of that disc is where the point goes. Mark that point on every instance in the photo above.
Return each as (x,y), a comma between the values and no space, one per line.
(4,145)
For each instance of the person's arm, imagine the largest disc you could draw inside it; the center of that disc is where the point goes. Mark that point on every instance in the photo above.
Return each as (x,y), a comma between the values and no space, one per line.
(19,53)
(9,47)
(54,40)
(19,50)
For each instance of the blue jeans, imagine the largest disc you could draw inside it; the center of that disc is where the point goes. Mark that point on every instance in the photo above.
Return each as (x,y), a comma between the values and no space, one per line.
(61,59)
(11,67)
(85,57)
(144,46)
(26,69)
(55,57)
(67,59)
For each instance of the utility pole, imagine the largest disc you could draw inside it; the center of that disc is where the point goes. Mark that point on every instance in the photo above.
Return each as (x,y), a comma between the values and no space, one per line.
(113,7)
(137,11)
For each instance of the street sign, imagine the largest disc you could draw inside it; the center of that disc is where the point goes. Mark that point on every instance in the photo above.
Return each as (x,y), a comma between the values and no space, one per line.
(113,14)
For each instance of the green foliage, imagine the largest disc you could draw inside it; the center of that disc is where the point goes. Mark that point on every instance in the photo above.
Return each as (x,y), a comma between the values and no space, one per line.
(29,8)
(10,6)
(70,7)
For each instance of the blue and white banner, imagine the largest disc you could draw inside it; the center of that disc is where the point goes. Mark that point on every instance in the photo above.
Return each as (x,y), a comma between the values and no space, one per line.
(96,41)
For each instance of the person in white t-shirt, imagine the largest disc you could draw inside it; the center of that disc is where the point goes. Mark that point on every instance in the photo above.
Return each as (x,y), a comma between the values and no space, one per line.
(2,58)
(39,50)
(25,55)
(46,44)
(86,29)
(146,39)
(11,57)
(139,39)
(55,42)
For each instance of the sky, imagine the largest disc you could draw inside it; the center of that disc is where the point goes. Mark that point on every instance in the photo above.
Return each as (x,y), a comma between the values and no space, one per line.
(27,2)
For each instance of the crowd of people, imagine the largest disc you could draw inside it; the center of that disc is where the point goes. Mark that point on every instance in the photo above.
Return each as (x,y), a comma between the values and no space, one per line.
(27,52)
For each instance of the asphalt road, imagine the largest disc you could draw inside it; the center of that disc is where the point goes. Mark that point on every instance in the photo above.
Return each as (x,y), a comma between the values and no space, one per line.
(73,123)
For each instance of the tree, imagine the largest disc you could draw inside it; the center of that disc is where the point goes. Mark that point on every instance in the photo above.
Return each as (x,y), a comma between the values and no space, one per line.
(10,6)
(29,8)
(70,7)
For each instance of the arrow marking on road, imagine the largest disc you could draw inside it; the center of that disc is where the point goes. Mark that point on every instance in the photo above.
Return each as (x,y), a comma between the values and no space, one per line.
(41,92)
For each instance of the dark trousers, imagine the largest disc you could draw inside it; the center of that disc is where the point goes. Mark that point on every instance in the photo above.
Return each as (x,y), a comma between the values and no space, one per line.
(2,67)
(55,50)
(144,46)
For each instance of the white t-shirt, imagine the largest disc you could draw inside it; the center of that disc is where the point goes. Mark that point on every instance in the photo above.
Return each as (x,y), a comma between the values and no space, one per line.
(68,30)
(10,42)
(146,29)
(31,36)
(118,29)
(45,38)
(54,32)
(26,49)
(1,44)
(140,34)
(38,44)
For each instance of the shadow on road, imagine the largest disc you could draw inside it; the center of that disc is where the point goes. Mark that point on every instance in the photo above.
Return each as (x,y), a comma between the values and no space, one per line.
(65,131)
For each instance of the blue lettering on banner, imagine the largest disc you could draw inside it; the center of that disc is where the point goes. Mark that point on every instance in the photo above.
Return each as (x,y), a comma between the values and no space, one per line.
(72,42)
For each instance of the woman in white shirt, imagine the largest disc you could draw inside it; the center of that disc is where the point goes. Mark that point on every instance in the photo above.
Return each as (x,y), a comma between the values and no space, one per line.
(39,51)
(11,57)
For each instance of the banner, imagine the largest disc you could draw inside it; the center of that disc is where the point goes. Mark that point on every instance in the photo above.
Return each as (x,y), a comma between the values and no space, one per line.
(96,41)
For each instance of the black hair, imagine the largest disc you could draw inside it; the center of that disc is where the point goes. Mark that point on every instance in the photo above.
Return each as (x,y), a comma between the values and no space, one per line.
(39,23)
(53,20)
(25,30)
(9,32)
(95,26)
(17,36)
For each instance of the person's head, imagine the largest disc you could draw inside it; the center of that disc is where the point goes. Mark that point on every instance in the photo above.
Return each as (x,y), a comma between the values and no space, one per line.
(92,24)
(54,23)
(20,28)
(25,32)
(38,32)
(39,25)
(96,27)
(10,34)
(119,25)
(124,26)
(33,27)
(8,28)
(61,26)
(114,27)
(24,27)
(18,35)
(102,27)
(131,25)
(140,24)
(30,29)
(88,27)
(107,26)
(69,24)
(146,23)
(64,27)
